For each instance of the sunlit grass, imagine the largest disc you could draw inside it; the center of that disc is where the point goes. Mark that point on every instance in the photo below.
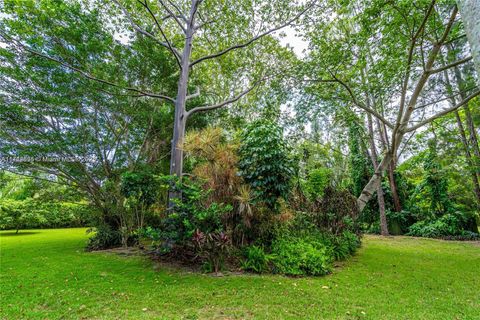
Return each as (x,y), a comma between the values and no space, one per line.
(46,274)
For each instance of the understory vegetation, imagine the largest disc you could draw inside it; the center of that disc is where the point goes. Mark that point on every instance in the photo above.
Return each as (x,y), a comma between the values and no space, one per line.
(192,131)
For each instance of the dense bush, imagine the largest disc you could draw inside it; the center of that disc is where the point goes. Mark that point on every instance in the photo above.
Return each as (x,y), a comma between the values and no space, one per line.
(31,213)
(264,162)
(301,256)
(103,237)
(19,215)
(447,226)
(344,245)
(317,180)
(194,227)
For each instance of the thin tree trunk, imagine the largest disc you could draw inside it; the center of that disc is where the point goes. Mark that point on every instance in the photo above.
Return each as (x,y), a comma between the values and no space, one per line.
(468,156)
(470,12)
(380,195)
(461,130)
(390,169)
(468,114)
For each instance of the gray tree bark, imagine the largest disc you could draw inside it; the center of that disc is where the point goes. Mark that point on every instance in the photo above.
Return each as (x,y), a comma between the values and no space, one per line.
(176,160)
(470,125)
(470,12)
(397,204)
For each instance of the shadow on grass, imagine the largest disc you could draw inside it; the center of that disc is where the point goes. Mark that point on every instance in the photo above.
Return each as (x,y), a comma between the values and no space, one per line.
(20,233)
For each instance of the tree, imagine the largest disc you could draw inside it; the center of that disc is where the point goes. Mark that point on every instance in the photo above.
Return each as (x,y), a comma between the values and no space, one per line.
(185,30)
(403,91)
(76,130)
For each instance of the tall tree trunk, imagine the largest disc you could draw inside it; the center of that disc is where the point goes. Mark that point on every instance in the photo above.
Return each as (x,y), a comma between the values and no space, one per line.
(470,12)
(380,195)
(374,182)
(179,125)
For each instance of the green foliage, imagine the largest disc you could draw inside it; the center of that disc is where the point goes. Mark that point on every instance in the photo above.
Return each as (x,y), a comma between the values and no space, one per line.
(104,237)
(141,186)
(264,161)
(317,181)
(192,223)
(449,225)
(297,256)
(256,259)
(343,245)
(360,165)
(336,212)
(19,215)
(436,182)
(33,213)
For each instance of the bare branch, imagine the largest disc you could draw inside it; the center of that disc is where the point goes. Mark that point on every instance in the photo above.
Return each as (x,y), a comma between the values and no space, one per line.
(224,103)
(357,102)
(445,98)
(259,36)
(194,95)
(169,44)
(411,50)
(175,16)
(137,28)
(448,66)
(444,112)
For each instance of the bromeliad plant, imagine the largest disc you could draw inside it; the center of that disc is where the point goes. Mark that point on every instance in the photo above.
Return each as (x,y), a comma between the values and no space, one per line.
(212,247)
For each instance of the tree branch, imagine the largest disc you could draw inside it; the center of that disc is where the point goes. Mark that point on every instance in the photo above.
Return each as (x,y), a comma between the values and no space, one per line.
(224,103)
(358,103)
(137,28)
(193,95)
(169,44)
(448,66)
(174,16)
(261,35)
(444,112)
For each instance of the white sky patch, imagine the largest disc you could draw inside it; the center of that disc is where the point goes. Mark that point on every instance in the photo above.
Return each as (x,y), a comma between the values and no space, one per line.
(294,41)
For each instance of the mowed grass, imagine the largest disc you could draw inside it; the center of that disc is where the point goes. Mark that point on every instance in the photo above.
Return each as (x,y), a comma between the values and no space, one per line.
(46,274)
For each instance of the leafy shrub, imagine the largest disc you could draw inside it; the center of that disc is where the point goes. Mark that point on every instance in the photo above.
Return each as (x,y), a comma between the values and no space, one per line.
(255,259)
(264,161)
(301,256)
(19,215)
(449,225)
(337,211)
(194,225)
(212,247)
(464,235)
(30,213)
(103,237)
(64,214)
(317,181)
(344,245)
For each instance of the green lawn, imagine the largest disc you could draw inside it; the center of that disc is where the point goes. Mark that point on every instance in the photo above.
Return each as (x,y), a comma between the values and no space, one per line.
(45,274)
